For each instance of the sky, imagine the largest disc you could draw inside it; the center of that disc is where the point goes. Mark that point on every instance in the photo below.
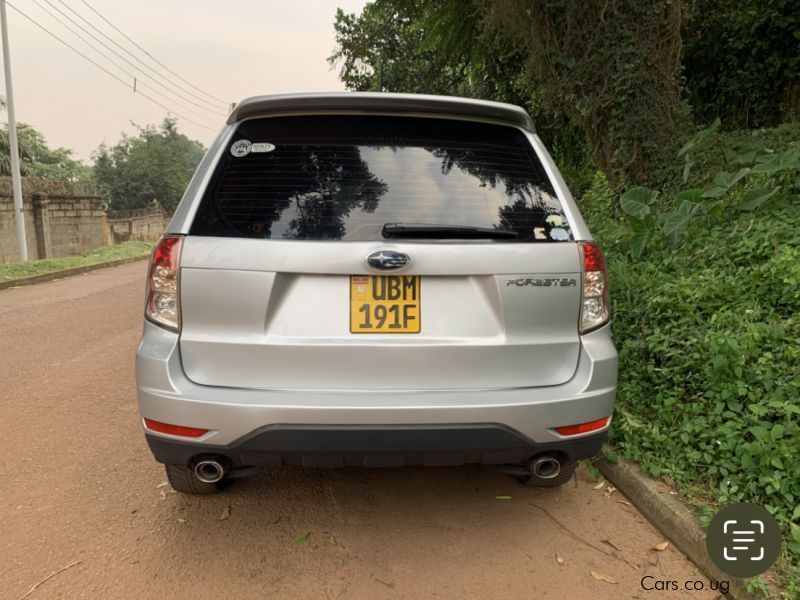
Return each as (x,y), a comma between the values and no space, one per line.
(230,49)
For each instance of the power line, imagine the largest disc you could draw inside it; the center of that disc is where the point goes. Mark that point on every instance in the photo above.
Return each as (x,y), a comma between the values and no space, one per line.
(106,71)
(215,108)
(136,84)
(118,55)
(102,68)
(122,33)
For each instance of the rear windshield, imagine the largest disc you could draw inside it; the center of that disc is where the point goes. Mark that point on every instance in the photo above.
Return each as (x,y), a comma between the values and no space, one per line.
(364,178)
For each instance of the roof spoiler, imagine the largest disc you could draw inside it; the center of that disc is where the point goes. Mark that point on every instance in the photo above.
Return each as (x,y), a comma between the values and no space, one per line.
(380,102)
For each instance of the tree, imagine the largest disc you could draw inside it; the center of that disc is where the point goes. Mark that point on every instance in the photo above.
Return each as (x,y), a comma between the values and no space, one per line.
(742,61)
(424,46)
(154,166)
(611,68)
(36,158)
(614,66)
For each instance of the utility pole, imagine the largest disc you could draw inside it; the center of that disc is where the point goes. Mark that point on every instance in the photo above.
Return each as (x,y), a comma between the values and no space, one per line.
(13,148)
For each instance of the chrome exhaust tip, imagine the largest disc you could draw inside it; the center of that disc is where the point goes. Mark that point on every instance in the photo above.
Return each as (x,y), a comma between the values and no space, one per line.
(209,471)
(546,467)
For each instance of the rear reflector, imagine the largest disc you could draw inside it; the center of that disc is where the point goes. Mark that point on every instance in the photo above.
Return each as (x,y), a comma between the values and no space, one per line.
(583,427)
(174,429)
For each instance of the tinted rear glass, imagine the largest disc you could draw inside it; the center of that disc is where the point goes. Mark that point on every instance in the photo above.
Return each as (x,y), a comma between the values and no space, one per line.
(345,177)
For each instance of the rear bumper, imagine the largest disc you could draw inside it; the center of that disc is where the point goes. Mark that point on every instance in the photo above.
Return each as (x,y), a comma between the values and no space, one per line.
(235,415)
(375,446)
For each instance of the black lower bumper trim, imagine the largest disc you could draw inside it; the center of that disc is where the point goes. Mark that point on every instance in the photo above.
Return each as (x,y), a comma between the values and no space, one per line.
(375,446)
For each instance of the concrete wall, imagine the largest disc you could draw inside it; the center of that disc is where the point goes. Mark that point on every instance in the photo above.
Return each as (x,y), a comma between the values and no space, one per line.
(68,219)
(61,219)
(144,225)
(76,224)
(8,232)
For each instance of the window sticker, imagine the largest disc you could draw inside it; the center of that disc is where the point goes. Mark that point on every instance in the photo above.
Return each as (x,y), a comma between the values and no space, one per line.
(559,234)
(241,148)
(262,147)
(555,221)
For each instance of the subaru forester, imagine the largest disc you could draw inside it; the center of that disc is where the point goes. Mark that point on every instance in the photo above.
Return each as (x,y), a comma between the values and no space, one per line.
(375,280)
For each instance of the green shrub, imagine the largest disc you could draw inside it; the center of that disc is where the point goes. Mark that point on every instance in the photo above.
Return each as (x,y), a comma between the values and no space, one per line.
(708,334)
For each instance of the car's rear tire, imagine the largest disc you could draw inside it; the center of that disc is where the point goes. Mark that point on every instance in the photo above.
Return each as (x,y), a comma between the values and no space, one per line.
(183,480)
(564,475)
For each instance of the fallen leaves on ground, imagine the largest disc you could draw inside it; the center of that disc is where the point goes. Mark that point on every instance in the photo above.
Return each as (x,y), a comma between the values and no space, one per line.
(226,513)
(162,484)
(559,559)
(662,546)
(302,538)
(603,577)
(182,520)
(600,485)
(502,497)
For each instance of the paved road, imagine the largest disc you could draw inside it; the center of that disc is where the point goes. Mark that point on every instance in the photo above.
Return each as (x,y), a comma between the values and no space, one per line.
(77,484)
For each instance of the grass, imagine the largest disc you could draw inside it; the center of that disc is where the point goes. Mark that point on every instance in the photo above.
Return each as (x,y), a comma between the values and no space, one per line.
(18,270)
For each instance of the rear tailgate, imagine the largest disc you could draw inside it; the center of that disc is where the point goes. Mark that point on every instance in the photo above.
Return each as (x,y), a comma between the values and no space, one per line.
(295,206)
(277,315)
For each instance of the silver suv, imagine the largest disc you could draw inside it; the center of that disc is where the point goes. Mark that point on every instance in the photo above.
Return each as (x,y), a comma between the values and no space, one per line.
(375,280)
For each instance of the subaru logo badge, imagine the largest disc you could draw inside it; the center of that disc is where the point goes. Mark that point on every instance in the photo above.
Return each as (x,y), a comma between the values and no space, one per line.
(387,260)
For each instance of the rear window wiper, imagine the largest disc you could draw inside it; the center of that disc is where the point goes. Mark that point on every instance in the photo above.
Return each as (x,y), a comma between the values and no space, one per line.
(431,231)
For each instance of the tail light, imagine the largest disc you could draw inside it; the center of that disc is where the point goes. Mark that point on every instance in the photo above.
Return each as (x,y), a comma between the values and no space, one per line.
(163,299)
(594,293)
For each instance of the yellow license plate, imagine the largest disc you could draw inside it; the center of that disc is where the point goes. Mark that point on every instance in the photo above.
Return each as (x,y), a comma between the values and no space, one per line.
(385,304)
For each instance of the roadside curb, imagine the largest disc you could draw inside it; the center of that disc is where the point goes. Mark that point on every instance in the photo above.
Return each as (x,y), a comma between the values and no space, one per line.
(68,272)
(670,516)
